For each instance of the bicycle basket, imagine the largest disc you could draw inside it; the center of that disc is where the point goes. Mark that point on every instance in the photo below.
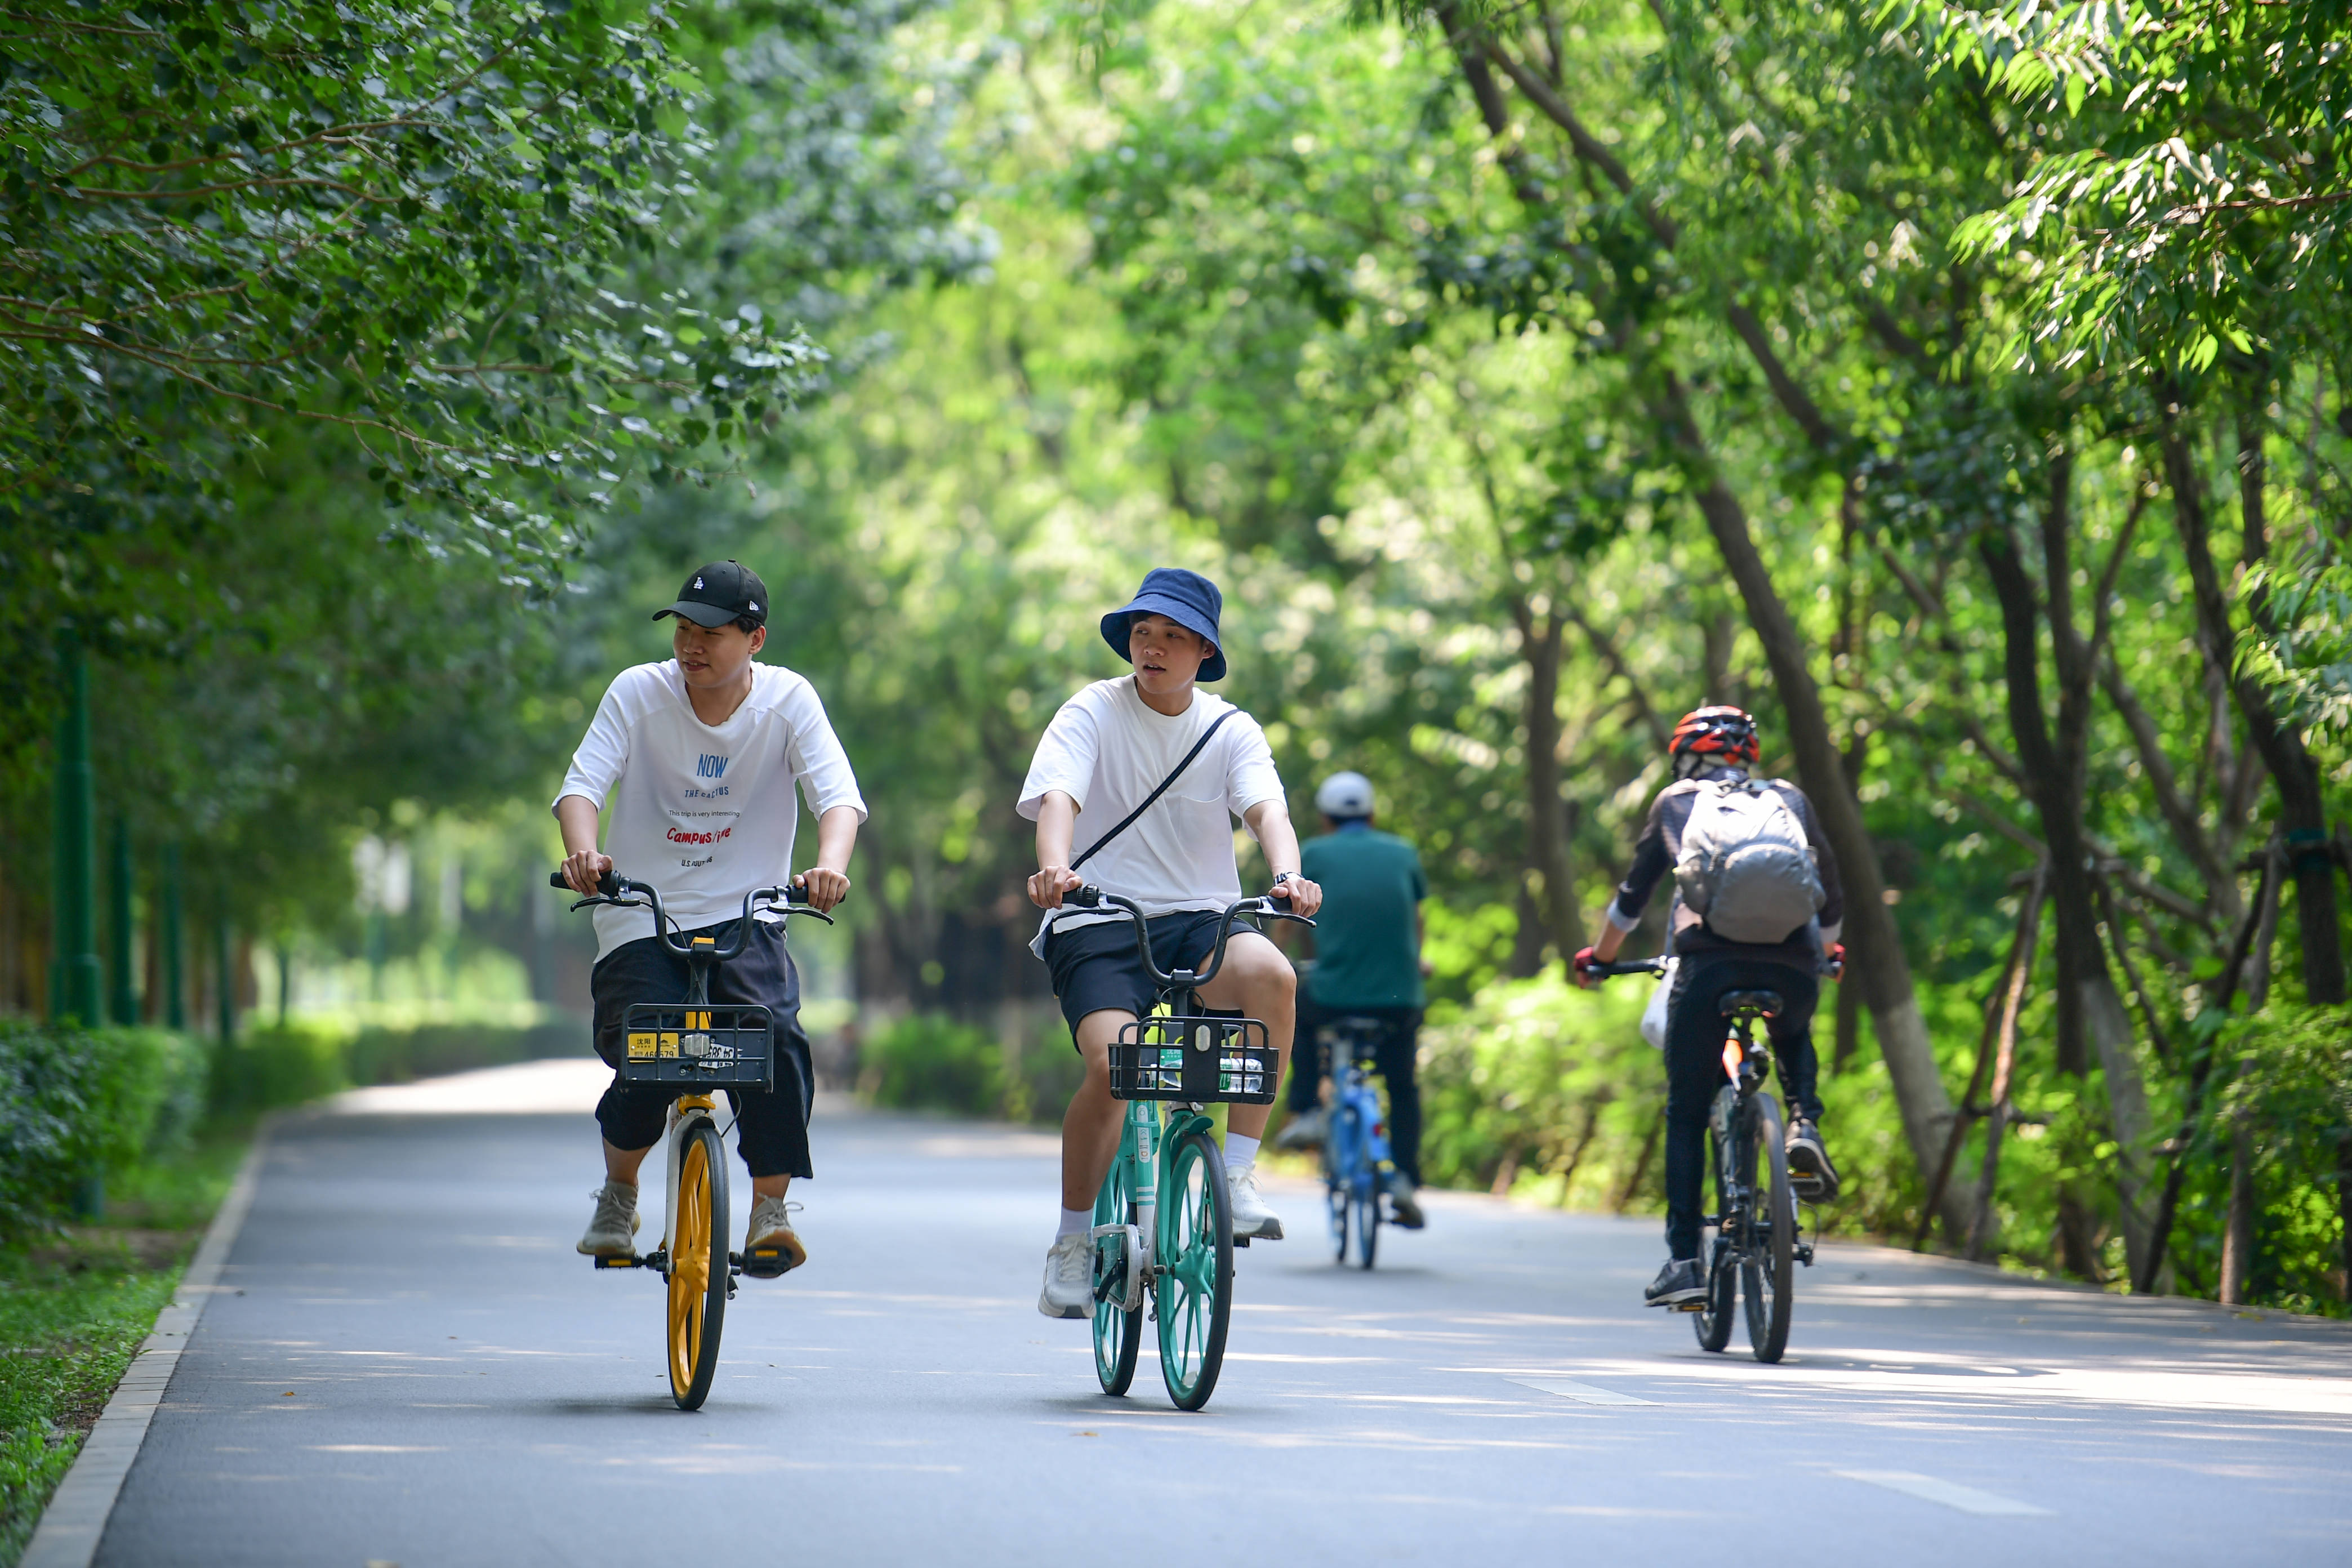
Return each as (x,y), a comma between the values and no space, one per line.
(1201,1060)
(699,1047)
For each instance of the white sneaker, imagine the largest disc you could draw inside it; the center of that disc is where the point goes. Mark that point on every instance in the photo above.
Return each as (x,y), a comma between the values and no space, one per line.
(613,1229)
(1252,1219)
(1069,1278)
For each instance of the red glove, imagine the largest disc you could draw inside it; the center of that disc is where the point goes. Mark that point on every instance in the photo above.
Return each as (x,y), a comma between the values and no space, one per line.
(1580,967)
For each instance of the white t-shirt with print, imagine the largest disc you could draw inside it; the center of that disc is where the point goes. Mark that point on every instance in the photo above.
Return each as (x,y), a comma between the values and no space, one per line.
(705,812)
(1108,749)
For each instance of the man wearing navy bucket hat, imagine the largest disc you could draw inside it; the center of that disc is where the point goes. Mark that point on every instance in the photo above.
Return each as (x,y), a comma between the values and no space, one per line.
(1108,751)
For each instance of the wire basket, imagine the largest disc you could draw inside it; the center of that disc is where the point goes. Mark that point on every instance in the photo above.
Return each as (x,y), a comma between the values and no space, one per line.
(699,1047)
(1204,1061)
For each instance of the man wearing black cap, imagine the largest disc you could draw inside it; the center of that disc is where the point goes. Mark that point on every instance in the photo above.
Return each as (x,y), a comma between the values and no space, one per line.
(701,754)
(1103,756)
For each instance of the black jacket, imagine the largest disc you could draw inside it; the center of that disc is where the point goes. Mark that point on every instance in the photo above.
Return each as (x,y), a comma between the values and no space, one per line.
(1661,844)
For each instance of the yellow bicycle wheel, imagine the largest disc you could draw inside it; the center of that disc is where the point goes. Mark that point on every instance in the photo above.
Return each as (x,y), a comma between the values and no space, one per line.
(698,1267)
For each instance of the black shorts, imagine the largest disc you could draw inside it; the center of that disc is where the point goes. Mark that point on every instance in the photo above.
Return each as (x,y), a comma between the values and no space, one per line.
(1097,969)
(773,1127)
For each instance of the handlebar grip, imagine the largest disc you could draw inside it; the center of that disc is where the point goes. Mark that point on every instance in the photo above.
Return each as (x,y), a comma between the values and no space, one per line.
(607,885)
(1088,897)
(555,879)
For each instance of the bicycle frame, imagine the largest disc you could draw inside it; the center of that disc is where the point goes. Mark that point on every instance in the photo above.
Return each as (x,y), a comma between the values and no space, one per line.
(702,954)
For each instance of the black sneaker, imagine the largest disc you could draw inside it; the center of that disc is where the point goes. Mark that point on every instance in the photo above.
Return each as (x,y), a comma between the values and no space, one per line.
(1679,1281)
(1811,1175)
(1401,1206)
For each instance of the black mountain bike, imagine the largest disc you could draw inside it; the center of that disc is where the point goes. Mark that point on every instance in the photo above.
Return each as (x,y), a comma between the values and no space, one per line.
(1757,1242)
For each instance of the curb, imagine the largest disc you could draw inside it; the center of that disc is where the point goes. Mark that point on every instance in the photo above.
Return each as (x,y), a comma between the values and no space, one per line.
(77,1515)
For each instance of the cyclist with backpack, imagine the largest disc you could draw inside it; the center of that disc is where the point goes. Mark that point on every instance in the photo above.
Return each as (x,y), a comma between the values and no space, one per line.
(1162,768)
(1756,906)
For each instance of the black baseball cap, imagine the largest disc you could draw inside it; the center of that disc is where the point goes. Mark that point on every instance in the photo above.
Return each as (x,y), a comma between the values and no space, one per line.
(722,591)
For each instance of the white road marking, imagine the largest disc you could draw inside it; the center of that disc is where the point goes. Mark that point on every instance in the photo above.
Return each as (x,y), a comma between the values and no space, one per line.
(1967,1500)
(1582,1393)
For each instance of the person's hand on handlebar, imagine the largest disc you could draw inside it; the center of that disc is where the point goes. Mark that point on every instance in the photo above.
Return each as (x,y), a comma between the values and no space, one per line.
(583,869)
(1304,896)
(1580,969)
(1047,886)
(823,887)
(1837,961)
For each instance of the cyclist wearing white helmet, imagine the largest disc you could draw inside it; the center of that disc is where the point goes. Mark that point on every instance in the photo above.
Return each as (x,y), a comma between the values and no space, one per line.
(1368,964)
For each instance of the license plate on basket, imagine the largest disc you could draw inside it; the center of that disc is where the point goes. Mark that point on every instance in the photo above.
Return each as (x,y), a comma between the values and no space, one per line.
(714,1046)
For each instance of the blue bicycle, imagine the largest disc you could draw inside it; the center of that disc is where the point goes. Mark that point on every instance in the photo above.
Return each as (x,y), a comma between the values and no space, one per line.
(1356,1164)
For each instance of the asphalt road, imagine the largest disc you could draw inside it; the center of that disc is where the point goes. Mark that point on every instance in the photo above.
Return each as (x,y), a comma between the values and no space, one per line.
(408,1365)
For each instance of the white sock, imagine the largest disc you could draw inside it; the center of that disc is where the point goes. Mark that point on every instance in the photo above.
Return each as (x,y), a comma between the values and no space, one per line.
(1240,1150)
(1074,1222)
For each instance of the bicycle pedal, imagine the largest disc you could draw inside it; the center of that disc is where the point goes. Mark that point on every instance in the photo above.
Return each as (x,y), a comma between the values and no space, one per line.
(766,1262)
(1241,1241)
(604,1262)
(1690,1306)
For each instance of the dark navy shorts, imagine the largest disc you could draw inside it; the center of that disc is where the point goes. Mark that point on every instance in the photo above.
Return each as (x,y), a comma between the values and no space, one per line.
(773,1127)
(1097,969)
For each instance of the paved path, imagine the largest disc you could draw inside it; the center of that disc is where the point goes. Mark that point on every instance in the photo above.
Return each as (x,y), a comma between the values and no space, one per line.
(413,1368)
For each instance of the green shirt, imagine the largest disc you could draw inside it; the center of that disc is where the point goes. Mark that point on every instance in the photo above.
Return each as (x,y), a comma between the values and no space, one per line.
(1366,950)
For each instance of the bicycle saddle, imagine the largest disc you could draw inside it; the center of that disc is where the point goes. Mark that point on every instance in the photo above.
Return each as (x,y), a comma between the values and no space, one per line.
(1764,1004)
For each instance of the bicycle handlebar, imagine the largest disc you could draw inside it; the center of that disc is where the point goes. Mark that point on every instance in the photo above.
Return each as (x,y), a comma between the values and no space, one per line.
(1634,966)
(791,898)
(1090,897)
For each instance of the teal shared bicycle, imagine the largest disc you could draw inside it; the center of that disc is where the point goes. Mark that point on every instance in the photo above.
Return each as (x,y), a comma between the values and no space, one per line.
(1164,1237)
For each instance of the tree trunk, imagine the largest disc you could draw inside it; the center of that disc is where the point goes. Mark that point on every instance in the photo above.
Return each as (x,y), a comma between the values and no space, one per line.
(2090,1014)
(2302,814)
(1540,646)
(1874,958)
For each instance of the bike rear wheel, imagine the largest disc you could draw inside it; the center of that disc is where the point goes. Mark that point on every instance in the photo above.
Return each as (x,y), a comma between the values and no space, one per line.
(1195,1287)
(1769,1269)
(697,1266)
(1119,1335)
(1366,1204)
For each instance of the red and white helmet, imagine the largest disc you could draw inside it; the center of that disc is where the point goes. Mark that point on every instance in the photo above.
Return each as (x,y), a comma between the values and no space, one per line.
(1720,733)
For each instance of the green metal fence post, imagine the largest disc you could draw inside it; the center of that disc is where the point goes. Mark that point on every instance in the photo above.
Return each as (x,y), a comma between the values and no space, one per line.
(224,939)
(76,986)
(123,991)
(175,944)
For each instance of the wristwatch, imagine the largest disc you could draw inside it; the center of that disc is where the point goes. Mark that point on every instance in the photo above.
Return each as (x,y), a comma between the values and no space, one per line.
(1282,876)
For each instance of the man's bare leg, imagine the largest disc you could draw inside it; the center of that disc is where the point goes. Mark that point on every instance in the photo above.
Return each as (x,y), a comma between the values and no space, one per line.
(1259,982)
(1091,1127)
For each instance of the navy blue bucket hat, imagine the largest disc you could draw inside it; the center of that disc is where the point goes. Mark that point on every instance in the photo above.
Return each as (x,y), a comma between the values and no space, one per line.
(1189,599)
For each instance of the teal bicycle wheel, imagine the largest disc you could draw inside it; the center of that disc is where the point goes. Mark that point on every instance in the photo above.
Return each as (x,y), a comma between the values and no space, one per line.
(1118,1335)
(1195,1287)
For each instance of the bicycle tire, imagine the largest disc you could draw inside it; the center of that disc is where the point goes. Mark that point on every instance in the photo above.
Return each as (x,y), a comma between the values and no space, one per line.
(1338,1135)
(1119,1335)
(1712,1322)
(697,1266)
(1769,1273)
(1368,1223)
(1195,1287)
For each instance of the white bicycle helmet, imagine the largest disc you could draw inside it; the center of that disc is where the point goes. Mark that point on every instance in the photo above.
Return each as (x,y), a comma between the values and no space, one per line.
(1345,795)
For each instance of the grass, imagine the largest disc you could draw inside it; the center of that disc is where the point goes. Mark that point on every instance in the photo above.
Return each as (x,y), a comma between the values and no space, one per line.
(74,1307)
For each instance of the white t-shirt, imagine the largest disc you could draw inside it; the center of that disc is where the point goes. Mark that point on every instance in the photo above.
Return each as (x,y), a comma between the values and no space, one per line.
(1108,749)
(704,812)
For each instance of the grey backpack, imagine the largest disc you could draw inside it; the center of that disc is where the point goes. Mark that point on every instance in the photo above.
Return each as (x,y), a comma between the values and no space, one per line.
(1746,868)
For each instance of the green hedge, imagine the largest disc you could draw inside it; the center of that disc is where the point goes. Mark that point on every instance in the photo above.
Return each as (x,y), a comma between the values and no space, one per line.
(931,1061)
(78,1104)
(287,1064)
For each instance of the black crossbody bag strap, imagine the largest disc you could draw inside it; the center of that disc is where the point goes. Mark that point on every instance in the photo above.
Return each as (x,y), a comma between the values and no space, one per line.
(1128,820)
